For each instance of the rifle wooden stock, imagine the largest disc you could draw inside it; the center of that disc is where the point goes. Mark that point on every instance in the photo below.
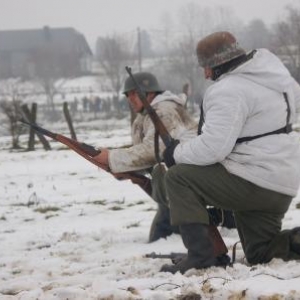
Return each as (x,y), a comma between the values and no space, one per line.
(158,124)
(88,152)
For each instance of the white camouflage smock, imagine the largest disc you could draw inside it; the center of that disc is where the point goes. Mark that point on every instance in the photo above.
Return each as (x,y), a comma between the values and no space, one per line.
(170,108)
(249,101)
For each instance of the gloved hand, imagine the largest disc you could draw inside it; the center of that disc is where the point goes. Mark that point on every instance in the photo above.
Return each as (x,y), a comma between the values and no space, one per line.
(169,152)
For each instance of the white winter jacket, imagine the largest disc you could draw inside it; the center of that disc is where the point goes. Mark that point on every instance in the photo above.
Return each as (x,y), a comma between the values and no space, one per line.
(170,108)
(248,101)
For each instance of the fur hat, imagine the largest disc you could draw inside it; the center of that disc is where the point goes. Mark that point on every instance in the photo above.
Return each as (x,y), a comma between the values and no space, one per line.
(217,49)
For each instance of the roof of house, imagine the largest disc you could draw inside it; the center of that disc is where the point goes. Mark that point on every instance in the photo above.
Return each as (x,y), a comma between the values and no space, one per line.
(64,38)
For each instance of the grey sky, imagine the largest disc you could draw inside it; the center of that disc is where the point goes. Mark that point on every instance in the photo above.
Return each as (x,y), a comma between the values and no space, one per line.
(100,17)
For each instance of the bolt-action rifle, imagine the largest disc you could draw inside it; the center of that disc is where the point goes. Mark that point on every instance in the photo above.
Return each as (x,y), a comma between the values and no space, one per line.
(219,245)
(177,257)
(89,152)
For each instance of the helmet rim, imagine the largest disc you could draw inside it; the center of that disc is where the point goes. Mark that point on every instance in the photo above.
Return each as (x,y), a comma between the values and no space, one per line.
(147,81)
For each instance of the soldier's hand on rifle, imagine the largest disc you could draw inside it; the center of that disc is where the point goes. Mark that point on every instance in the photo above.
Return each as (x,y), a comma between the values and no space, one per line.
(102,158)
(168,154)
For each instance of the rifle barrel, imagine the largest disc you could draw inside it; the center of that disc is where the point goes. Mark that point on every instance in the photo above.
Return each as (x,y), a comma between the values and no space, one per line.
(40,129)
(171,255)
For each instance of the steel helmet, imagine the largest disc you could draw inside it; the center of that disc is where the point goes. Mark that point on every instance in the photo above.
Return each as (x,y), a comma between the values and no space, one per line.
(146,81)
(217,49)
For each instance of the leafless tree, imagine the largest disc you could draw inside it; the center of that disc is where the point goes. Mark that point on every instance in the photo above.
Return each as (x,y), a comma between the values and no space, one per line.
(113,53)
(256,35)
(195,21)
(50,66)
(10,106)
(165,35)
(287,40)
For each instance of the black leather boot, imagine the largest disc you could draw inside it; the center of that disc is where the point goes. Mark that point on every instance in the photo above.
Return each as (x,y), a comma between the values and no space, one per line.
(196,238)
(295,240)
(161,226)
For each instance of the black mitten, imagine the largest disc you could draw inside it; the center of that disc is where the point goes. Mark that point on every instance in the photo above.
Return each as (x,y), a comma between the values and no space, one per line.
(169,152)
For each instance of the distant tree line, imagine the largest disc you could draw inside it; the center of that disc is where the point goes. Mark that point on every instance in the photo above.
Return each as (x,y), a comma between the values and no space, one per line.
(170,51)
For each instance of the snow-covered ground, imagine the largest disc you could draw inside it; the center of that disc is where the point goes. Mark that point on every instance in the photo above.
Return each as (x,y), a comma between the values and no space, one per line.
(71,231)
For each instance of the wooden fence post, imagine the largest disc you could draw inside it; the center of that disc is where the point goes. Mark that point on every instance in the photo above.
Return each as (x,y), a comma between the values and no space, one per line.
(31,117)
(69,121)
(31,132)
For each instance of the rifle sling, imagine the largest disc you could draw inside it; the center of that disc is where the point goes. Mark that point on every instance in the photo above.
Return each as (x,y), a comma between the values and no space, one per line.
(156,147)
(286,129)
(201,121)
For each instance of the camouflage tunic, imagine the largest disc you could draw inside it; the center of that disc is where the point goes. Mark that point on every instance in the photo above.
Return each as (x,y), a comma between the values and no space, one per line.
(170,108)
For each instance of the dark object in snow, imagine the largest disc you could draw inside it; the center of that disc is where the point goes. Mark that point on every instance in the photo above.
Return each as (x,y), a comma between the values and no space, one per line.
(175,257)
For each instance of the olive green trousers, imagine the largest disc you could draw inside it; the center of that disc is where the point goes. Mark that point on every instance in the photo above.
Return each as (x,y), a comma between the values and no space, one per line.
(258,211)
(161,224)
(159,194)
